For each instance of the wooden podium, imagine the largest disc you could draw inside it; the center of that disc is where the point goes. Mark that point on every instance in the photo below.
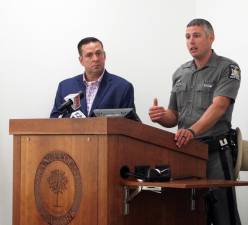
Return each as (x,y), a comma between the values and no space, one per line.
(67,171)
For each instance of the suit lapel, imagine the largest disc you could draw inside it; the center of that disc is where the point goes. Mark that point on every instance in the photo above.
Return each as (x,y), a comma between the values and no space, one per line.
(83,100)
(84,103)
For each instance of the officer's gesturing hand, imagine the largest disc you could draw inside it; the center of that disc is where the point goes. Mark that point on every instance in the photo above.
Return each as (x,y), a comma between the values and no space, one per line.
(165,117)
(156,112)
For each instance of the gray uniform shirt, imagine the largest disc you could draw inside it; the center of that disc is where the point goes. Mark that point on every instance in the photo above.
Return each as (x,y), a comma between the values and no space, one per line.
(193,91)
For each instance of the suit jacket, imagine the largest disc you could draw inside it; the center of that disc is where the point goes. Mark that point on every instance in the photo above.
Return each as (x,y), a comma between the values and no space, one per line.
(113,92)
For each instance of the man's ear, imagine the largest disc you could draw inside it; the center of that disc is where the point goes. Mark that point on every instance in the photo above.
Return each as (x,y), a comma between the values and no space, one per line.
(80,58)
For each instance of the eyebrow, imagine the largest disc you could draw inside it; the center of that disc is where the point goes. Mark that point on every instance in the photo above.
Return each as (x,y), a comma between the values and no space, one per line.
(195,33)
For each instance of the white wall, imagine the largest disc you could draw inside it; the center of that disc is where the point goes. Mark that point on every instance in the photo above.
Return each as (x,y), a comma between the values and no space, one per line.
(38,49)
(144,41)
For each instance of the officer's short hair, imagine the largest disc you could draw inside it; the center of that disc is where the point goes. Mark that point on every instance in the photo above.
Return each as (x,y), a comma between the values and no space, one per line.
(202,22)
(86,41)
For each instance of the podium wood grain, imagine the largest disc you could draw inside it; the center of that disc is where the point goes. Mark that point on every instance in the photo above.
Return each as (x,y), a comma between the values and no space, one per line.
(99,147)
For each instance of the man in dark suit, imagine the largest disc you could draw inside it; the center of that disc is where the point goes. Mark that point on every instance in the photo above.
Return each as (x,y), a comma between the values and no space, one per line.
(101,89)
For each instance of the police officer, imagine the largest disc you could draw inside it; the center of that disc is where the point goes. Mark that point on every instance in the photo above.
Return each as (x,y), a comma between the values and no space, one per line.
(201,104)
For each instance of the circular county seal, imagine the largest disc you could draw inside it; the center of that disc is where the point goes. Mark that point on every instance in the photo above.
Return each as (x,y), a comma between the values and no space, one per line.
(57,188)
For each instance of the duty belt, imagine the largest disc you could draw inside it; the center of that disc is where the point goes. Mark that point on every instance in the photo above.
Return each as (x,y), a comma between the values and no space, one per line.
(216,142)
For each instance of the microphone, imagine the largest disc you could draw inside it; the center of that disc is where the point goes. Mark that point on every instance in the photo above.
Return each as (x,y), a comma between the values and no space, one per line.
(71,100)
(146,173)
(125,173)
(77,114)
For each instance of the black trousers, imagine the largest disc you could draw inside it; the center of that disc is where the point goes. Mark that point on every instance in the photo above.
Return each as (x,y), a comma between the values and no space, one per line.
(221,202)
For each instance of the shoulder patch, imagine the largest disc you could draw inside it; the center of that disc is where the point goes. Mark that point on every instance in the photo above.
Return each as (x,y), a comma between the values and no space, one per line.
(234,72)
(178,83)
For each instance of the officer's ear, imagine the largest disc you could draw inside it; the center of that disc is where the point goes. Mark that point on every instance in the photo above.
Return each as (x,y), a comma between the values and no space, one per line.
(211,37)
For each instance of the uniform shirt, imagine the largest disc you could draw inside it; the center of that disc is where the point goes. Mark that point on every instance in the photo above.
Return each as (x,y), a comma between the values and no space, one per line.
(193,91)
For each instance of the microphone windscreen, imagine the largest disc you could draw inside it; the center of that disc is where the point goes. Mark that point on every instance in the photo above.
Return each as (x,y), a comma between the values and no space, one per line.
(77,100)
(77,114)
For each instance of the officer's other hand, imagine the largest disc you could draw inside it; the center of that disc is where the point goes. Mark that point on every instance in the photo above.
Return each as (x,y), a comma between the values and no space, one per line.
(156,112)
(182,137)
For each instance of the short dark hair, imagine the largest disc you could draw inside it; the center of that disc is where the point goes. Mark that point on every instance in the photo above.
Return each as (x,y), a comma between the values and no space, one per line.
(201,22)
(86,41)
